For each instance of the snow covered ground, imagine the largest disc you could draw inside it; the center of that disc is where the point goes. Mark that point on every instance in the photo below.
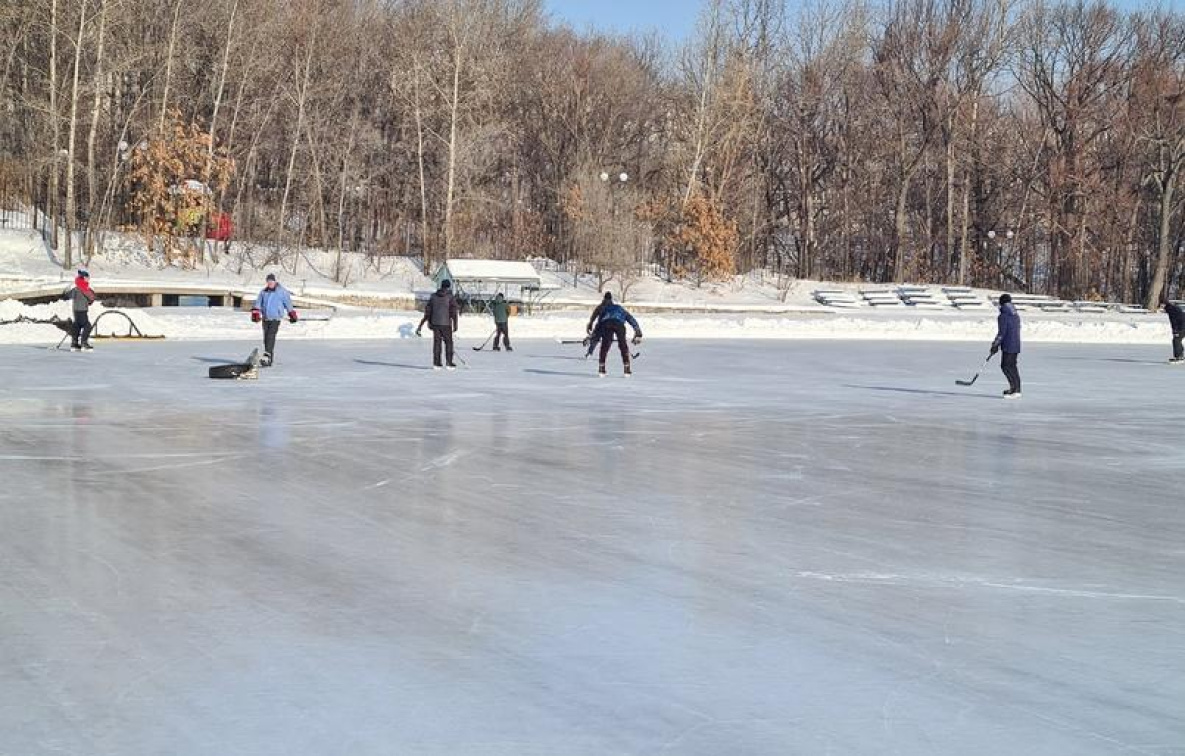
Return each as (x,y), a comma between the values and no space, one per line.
(747,307)
(782,547)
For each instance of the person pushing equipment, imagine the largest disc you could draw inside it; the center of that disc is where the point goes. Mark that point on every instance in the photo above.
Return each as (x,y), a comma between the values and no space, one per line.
(272,304)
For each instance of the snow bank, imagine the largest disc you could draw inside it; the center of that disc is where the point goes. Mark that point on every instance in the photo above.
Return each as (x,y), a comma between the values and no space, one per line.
(224,324)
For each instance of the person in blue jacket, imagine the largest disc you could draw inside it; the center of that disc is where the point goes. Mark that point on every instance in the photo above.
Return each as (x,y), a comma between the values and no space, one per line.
(1008,342)
(609,319)
(272,304)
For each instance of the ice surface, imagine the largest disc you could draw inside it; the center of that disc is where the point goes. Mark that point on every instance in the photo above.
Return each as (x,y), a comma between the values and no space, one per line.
(756,548)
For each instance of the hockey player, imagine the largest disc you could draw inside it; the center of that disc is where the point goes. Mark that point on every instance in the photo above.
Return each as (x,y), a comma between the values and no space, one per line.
(443,316)
(500,309)
(1008,341)
(81,297)
(272,304)
(1177,323)
(610,319)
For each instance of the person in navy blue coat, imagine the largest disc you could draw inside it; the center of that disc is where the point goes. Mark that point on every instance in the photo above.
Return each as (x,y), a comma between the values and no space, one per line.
(1008,342)
(609,319)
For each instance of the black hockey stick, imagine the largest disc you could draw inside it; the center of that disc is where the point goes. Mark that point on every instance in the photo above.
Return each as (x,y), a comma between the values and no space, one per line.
(487,341)
(976,376)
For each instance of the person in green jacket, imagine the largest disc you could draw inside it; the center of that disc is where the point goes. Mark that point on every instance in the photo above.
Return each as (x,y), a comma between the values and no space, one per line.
(500,309)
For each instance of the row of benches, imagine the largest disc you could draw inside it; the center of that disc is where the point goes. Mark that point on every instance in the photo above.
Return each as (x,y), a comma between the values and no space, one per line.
(957,297)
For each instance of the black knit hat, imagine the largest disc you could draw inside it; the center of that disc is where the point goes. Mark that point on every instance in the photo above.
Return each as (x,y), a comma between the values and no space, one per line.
(271,276)
(608,296)
(446,284)
(1005,299)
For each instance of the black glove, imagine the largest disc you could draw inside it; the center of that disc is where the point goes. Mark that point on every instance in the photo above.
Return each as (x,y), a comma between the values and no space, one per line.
(995,348)
(637,338)
(586,340)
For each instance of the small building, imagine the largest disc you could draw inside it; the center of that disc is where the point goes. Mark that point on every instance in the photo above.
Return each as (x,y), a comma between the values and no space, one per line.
(477,282)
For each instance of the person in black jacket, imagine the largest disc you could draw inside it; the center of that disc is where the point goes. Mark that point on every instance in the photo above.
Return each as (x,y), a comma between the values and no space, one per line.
(443,316)
(1177,323)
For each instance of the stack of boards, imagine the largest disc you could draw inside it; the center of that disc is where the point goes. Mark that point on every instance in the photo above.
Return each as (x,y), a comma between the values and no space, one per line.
(239,371)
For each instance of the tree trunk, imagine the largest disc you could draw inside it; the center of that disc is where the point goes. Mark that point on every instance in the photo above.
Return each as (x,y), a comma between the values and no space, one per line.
(899,227)
(450,188)
(55,129)
(164,99)
(425,247)
(96,108)
(302,97)
(71,195)
(949,247)
(1167,186)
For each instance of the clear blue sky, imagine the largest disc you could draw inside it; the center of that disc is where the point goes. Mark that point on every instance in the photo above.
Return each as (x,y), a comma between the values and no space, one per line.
(673,18)
(676,18)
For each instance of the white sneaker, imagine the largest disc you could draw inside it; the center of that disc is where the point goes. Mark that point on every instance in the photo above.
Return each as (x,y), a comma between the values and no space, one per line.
(1012,396)
(1175,361)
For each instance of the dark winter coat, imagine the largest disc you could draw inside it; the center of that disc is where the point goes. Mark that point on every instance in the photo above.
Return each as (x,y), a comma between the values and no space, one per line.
(1008,330)
(500,309)
(442,310)
(1176,317)
(82,296)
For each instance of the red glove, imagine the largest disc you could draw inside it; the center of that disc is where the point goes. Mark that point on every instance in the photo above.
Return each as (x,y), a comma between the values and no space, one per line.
(256,316)
(292,316)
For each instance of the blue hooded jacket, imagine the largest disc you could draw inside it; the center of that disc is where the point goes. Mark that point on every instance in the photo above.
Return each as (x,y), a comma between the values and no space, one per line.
(616,313)
(274,304)
(1008,329)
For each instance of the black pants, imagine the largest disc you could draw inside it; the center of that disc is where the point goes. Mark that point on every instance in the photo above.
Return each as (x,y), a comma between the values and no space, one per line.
(609,331)
(1178,348)
(82,329)
(442,336)
(1008,365)
(502,335)
(270,329)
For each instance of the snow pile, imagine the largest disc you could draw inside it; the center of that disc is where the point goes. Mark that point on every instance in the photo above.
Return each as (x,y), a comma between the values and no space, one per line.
(195,323)
(47,333)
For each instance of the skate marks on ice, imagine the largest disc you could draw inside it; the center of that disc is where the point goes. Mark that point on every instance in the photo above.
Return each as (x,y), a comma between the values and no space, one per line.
(961,583)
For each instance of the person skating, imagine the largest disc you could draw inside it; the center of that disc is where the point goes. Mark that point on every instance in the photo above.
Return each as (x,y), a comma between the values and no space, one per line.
(272,304)
(81,297)
(1008,341)
(443,316)
(1177,323)
(500,309)
(610,319)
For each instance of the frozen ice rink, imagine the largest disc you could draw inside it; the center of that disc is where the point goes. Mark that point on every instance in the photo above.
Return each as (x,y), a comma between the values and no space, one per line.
(772,548)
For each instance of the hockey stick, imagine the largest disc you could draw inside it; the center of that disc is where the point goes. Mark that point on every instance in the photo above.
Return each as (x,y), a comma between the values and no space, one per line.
(487,341)
(977,372)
